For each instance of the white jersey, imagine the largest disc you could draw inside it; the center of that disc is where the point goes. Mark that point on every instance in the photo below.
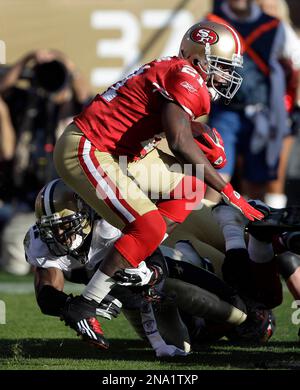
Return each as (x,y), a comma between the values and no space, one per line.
(37,253)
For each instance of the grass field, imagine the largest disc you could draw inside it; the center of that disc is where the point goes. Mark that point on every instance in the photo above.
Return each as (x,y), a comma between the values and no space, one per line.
(30,340)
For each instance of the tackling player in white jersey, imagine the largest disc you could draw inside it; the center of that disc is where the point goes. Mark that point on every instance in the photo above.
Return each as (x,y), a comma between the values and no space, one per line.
(68,242)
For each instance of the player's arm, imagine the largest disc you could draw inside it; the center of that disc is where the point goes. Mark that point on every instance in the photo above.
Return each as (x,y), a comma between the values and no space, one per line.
(180,139)
(7,133)
(178,132)
(49,285)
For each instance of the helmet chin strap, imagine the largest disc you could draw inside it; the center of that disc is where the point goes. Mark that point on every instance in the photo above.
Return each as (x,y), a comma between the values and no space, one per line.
(77,242)
(74,250)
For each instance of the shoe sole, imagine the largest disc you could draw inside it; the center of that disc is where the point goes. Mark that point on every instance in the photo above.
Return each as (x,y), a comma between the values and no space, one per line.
(92,342)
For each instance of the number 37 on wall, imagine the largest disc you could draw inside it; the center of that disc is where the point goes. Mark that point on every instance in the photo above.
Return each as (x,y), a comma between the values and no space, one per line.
(127,47)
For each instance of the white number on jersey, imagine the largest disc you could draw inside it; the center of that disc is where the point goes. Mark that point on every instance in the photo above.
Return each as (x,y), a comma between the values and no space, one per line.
(112,92)
(192,72)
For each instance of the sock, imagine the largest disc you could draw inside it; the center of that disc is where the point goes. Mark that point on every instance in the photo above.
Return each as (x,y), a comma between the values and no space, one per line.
(236,269)
(234,237)
(260,251)
(232,223)
(98,287)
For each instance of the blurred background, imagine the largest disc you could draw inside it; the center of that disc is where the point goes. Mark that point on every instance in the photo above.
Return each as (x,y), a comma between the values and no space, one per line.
(58,55)
(104,38)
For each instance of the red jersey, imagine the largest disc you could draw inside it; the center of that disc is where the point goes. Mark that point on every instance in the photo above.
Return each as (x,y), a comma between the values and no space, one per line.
(126,118)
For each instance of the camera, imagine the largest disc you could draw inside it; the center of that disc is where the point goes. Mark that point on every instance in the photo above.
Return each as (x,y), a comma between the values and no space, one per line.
(51,76)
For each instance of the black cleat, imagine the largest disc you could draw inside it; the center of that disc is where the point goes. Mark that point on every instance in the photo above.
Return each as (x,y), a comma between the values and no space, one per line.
(275,222)
(90,330)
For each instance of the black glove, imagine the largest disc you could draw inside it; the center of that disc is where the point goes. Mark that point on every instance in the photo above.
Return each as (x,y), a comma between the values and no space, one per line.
(109,307)
(295,119)
(78,308)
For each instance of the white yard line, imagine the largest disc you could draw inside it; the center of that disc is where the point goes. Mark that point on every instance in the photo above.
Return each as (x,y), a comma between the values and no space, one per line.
(27,288)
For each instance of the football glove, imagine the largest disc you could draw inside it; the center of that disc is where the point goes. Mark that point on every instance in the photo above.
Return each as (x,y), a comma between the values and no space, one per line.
(140,276)
(165,350)
(79,314)
(236,200)
(295,119)
(109,307)
(213,148)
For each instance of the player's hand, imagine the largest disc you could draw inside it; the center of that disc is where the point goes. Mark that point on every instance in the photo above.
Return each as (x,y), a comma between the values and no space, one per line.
(236,200)
(295,119)
(166,350)
(213,148)
(140,276)
(109,307)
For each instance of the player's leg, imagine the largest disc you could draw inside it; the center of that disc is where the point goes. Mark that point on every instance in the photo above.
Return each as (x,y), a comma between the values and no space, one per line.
(201,230)
(199,302)
(289,268)
(163,178)
(99,180)
(251,270)
(181,201)
(192,309)
(200,274)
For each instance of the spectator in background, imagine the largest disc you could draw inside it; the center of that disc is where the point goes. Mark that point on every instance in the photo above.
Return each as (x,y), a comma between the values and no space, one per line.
(7,133)
(55,92)
(7,147)
(276,196)
(255,123)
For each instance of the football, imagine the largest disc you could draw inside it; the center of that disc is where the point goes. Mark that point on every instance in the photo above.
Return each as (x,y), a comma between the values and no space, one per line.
(199,128)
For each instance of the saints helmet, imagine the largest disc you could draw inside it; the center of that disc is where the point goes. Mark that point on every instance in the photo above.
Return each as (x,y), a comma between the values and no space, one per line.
(63,219)
(214,50)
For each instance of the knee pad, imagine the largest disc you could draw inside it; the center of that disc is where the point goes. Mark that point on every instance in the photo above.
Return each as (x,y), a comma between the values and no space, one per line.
(287,262)
(141,237)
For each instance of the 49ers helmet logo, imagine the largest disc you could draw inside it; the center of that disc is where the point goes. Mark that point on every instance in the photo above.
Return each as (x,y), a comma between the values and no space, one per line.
(204,35)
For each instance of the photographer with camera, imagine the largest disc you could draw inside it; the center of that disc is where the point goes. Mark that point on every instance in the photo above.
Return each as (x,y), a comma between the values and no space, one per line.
(43,91)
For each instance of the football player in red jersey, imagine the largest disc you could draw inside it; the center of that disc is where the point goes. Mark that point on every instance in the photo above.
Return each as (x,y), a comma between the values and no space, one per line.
(108,155)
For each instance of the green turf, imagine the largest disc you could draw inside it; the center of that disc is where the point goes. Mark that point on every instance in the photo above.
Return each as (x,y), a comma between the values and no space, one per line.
(30,340)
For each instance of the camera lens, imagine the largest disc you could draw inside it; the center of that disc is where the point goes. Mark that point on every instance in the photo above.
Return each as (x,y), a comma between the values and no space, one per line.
(51,76)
